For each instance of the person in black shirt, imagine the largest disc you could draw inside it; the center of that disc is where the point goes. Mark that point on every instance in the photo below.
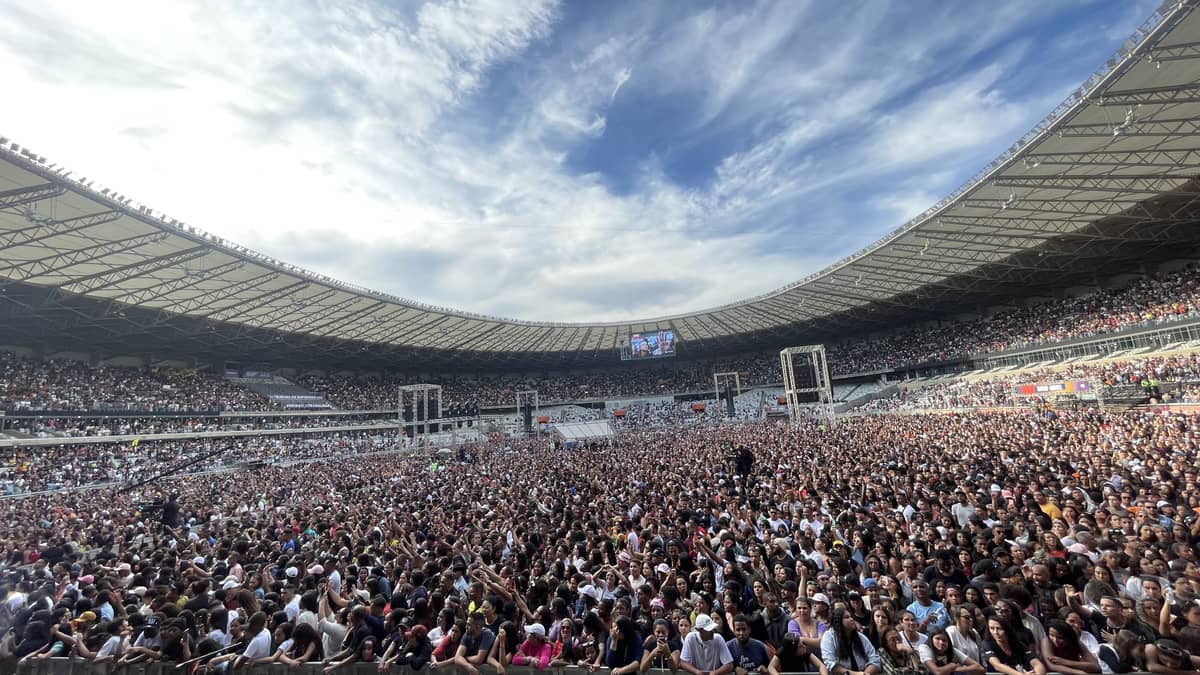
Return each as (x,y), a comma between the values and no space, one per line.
(1003,652)
(1111,618)
(661,651)
(176,646)
(795,657)
(944,570)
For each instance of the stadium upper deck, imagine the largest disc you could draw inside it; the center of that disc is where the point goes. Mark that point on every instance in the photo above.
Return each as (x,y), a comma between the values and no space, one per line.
(1106,183)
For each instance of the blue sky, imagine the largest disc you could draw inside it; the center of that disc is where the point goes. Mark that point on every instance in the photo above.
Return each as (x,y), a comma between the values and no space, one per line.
(540,160)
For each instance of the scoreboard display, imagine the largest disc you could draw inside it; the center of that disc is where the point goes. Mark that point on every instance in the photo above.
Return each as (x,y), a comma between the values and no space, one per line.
(655,345)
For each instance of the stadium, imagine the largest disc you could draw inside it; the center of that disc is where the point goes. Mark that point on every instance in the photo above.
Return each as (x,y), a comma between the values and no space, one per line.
(970,446)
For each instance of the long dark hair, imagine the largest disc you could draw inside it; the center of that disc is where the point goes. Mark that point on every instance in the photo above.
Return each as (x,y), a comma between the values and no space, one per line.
(949,651)
(792,644)
(628,629)
(1010,636)
(511,639)
(848,642)
(302,636)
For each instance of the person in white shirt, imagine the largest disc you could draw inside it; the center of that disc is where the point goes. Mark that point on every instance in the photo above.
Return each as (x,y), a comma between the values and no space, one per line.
(812,523)
(703,653)
(636,579)
(963,635)
(631,538)
(335,580)
(962,510)
(258,647)
(939,656)
(308,610)
(291,602)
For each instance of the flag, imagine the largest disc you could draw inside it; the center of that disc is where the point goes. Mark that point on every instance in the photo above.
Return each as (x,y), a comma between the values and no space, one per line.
(135,442)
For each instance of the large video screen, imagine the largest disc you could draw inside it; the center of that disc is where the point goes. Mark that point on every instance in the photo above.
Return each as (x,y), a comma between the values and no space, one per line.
(652,345)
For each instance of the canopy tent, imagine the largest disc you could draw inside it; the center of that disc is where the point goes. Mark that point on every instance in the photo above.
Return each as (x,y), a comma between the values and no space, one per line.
(575,432)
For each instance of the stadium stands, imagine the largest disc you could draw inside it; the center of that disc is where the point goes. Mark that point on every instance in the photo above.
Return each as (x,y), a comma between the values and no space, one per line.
(283,393)
(63,385)
(1165,379)
(66,385)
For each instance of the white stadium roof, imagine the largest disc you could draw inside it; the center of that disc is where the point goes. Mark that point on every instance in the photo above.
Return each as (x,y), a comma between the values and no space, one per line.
(1108,179)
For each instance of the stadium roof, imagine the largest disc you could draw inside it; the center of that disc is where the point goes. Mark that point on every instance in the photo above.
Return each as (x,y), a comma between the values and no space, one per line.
(1106,182)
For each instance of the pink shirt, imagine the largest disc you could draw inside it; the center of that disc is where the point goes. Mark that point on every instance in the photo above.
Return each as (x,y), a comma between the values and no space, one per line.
(539,653)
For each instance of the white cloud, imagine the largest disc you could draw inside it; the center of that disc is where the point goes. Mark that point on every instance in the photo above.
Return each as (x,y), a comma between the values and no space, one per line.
(384,147)
(623,76)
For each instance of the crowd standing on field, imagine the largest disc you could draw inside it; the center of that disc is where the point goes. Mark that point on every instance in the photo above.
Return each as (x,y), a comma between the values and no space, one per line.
(1016,542)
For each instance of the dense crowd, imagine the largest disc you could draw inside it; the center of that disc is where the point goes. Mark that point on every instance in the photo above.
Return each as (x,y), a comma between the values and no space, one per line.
(82,427)
(37,468)
(1019,542)
(631,381)
(1146,302)
(70,385)
(1159,379)
(64,384)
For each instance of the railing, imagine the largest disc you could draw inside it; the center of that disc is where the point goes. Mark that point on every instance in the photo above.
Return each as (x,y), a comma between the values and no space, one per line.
(62,666)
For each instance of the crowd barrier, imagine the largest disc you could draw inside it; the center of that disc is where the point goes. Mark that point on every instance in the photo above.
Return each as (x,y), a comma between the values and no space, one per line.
(62,666)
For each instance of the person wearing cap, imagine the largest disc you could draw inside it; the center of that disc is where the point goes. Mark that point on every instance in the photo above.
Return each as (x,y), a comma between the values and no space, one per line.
(415,650)
(703,653)
(820,607)
(535,651)
(873,592)
(84,621)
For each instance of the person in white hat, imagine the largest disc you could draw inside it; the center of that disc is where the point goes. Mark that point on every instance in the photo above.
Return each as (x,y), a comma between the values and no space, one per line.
(703,652)
(535,651)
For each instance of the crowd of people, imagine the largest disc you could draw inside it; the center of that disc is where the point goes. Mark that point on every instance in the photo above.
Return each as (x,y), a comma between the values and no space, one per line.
(1014,542)
(1172,378)
(27,469)
(85,426)
(70,385)
(61,384)
(1146,302)
(631,381)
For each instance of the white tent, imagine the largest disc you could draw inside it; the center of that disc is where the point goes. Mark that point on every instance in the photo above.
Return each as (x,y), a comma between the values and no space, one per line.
(575,432)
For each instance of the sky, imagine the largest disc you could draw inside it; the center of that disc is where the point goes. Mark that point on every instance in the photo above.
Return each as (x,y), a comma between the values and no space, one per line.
(574,161)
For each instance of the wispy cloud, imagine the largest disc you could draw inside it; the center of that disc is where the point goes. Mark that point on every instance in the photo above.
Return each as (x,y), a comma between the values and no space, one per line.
(534,159)
(622,77)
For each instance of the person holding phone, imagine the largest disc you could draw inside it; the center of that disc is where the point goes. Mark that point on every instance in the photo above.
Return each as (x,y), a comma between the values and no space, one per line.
(661,651)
